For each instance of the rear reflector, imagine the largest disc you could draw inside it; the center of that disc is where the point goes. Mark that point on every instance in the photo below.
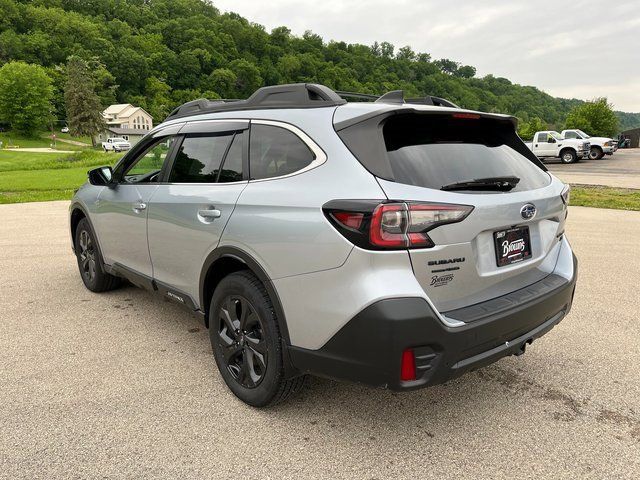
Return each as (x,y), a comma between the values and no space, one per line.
(408,366)
(349,219)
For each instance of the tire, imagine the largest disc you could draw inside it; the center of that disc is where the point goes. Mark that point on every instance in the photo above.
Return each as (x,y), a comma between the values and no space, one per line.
(90,262)
(595,153)
(246,342)
(568,156)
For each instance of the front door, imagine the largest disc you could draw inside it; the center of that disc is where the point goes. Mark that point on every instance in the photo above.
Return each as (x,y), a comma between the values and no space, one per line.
(121,215)
(190,208)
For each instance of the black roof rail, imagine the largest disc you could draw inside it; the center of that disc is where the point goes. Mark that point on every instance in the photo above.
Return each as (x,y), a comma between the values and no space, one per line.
(295,95)
(397,97)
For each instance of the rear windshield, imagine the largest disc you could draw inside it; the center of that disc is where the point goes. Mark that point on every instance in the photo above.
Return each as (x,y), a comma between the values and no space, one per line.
(437,150)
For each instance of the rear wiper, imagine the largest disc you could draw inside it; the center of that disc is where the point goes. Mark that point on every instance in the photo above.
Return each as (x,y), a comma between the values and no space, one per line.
(491,183)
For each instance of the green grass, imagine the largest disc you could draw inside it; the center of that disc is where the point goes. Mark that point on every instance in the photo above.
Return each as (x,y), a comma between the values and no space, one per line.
(605,197)
(12,160)
(41,140)
(37,177)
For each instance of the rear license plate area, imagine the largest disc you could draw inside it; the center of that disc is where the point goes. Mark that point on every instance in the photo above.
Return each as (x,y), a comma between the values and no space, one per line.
(513,245)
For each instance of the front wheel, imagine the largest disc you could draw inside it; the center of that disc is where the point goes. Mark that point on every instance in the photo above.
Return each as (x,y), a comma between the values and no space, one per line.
(246,341)
(595,153)
(89,261)
(568,156)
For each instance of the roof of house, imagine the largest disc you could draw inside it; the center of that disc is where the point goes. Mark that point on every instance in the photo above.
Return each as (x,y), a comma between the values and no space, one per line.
(122,110)
(127,131)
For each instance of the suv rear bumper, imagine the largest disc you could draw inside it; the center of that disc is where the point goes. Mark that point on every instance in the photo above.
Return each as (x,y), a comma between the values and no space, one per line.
(368,349)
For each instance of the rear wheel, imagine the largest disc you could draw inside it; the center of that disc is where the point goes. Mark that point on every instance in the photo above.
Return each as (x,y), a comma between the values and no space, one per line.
(89,261)
(568,156)
(595,153)
(246,341)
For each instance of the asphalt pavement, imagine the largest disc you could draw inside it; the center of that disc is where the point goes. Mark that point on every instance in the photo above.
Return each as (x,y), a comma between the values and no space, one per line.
(123,385)
(622,170)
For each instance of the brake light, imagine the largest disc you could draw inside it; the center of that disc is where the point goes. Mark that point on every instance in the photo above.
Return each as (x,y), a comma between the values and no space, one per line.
(396,225)
(408,366)
(467,116)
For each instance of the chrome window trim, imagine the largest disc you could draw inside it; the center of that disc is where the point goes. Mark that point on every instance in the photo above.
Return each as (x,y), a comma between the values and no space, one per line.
(321,157)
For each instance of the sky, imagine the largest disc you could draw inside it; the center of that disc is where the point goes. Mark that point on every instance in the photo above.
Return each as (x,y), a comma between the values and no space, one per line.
(573,49)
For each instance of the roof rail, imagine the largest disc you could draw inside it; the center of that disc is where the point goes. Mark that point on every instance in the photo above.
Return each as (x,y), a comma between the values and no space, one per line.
(295,95)
(397,97)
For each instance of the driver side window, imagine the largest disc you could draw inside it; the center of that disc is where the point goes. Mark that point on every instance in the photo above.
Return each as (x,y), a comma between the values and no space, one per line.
(146,167)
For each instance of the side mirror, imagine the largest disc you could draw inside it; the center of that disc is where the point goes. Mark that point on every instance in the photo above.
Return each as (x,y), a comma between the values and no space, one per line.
(551,140)
(100,176)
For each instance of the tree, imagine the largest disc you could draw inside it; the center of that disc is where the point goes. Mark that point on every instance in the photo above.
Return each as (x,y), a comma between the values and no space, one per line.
(25,97)
(81,100)
(527,130)
(596,118)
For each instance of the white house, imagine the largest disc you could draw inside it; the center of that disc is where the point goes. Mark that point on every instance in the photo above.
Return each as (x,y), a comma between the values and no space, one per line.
(126,121)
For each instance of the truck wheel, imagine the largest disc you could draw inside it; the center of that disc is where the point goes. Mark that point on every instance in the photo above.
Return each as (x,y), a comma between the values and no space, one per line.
(246,341)
(568,156)
(595,153)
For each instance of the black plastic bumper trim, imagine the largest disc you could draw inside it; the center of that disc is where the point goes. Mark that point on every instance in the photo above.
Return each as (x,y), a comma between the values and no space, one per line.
(368,349)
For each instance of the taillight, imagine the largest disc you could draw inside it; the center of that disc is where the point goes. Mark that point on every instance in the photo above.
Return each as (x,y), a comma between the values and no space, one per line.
(391,225)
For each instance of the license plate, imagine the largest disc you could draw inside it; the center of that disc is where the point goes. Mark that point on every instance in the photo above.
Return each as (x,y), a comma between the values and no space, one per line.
(512,245)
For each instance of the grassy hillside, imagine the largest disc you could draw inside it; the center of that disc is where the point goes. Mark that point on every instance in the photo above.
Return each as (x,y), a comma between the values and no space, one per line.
(161,53)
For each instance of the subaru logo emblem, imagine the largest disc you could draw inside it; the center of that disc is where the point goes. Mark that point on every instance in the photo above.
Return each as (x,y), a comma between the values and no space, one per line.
(528,211)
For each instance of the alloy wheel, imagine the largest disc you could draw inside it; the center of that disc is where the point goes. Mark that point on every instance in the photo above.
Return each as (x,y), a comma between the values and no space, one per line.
(241,338)
(87,256)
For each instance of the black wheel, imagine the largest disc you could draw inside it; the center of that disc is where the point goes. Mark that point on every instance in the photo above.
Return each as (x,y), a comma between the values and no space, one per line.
(246,341)
(568,156)
(89,261)
(595,153)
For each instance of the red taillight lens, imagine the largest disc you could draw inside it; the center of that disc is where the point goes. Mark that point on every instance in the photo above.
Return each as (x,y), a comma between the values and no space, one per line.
(396,225)
(389,225)
(408,366)
(467,116)
(407,224)
(349,219)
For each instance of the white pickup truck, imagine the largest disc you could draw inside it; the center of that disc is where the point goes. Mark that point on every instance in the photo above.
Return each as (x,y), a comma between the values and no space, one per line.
(116,144)
(549,144)
(599,145)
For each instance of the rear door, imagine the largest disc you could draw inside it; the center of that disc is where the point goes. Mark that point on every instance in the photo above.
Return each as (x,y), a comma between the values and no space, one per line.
(509,240)
(191,206)
(544,145)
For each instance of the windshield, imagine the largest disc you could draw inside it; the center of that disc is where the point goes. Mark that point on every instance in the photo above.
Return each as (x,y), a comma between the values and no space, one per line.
(117,139)
(555,135)
(582,134)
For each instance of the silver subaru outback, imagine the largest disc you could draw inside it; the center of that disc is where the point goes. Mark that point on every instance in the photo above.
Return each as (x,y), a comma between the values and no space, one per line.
(394,242)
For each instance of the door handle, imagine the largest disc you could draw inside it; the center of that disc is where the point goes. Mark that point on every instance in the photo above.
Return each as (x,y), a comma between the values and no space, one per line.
(209,214)
(139,206)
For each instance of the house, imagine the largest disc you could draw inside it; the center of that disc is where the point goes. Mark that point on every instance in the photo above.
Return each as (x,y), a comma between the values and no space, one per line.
(126,121)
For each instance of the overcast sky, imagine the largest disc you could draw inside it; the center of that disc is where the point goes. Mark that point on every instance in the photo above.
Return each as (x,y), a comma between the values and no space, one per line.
(576,49)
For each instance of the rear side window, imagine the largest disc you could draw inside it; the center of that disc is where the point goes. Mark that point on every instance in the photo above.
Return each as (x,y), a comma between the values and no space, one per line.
(275,151)
(437,150)
(199,159)
(543,137)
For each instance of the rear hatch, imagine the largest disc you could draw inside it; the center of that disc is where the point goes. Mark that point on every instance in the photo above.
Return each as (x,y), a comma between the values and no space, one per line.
(510,238)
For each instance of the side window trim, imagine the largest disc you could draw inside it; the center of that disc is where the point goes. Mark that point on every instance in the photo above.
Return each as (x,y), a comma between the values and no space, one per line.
(320,155)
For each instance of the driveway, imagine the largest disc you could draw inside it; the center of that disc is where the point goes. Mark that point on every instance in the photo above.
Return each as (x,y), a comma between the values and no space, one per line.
(122,385)
(622,169)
